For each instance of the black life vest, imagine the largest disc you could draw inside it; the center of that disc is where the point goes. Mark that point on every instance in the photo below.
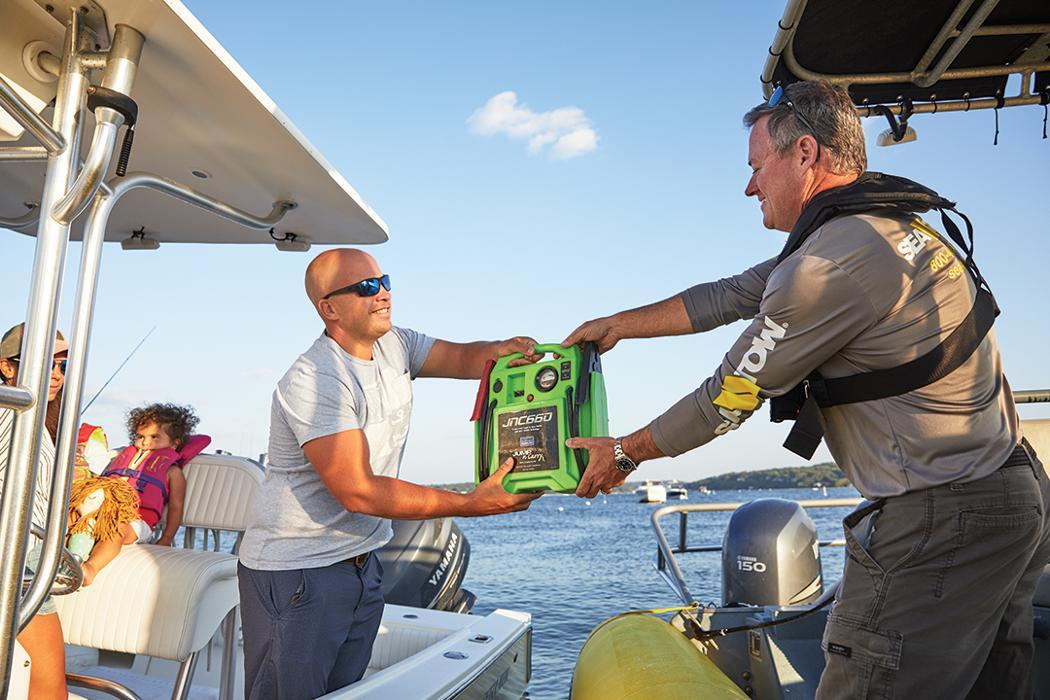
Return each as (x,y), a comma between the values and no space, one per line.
(876,193)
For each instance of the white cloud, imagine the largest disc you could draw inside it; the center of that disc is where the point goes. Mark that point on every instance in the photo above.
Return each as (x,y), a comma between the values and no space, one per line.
(567,130)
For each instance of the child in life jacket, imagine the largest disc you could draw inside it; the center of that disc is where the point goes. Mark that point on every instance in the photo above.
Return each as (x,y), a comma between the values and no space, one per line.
(161,445)
(101,509)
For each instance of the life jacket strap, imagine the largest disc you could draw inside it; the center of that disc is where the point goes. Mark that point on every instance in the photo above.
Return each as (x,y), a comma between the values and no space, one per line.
(141,480)
(819,392)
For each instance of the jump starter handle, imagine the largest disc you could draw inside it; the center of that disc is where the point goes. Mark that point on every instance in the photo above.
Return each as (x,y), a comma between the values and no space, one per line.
(591,363)
(483,411)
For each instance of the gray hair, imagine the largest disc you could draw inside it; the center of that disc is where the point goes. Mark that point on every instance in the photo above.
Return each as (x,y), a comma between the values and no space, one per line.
(829,110)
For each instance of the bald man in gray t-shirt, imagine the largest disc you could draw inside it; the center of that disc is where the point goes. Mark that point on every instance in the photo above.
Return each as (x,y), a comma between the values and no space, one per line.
(309,580)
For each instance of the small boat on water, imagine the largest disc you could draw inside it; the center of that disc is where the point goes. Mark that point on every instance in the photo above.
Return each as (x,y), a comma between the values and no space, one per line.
(72,75)
(676,491)
(651,492)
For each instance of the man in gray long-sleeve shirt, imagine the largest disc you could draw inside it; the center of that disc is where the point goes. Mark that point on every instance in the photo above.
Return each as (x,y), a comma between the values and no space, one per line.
(959,496)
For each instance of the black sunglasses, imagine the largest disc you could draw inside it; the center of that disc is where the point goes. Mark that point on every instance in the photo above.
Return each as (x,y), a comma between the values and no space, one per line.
(60,364)
(778,97)
(364,288)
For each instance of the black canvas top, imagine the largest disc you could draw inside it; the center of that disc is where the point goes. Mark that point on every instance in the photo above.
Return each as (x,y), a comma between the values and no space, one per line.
(841,37)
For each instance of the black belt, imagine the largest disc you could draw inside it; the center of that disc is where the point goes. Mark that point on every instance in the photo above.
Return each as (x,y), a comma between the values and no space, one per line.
(1021,455)
(358,561)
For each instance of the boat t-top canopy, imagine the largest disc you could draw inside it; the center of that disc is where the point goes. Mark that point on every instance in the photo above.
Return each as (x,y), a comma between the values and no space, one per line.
(909,56)
(201,120)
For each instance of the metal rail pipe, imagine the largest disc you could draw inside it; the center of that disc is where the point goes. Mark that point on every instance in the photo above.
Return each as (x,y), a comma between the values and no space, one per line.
(79,341)
(785,32)
(119,75)
(948,30)
(15,397)
(189,195)
(23,154)
(107,124)
(1036,396)
(35,366)
(930,77)
(102,685)
(22,113)
(882,78)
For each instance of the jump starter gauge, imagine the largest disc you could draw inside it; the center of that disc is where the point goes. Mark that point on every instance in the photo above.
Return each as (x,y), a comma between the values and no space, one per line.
(546,379)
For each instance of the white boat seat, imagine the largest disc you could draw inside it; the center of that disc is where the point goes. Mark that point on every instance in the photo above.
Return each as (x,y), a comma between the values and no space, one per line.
(393,645)
(126,608)
(219,490)
(1037,430)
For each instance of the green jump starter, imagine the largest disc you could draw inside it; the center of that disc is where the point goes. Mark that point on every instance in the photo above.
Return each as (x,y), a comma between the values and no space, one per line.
(528,412)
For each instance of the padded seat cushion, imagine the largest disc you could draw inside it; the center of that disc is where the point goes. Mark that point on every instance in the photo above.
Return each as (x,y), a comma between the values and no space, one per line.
(219,490)
(152,600)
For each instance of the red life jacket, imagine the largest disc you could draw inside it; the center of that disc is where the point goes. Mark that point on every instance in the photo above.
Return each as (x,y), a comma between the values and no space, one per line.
(149,476)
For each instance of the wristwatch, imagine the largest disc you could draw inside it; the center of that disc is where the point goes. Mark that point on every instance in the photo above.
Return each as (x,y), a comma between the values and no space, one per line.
(621,460)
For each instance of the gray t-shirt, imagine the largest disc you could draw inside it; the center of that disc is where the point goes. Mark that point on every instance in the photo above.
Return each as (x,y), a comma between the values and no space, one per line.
(296,521)
(862,293)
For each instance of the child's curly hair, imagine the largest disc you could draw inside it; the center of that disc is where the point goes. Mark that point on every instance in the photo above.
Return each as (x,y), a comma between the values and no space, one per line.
(178,421)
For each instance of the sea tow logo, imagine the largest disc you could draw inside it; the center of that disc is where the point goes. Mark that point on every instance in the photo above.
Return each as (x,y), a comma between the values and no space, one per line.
(518,421)
(436,577)
(750,365)
(913,244)
(761,345)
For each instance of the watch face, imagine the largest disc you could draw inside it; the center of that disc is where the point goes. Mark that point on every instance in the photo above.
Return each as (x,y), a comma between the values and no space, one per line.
(625,464)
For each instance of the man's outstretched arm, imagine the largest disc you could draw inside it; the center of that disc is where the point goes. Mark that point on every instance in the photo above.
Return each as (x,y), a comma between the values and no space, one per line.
(699,308)
(467,360)
(342,462)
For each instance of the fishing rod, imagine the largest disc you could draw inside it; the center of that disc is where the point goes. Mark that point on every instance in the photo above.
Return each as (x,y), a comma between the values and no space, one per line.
(117,371)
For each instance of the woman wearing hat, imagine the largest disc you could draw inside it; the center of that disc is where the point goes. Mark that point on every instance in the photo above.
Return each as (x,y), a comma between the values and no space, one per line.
(42,637)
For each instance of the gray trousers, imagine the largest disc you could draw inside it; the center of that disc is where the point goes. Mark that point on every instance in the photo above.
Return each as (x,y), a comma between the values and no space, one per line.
(938,603)
(308,632)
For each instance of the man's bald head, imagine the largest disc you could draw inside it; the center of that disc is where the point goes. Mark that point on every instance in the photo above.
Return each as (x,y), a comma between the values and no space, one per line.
(337,268)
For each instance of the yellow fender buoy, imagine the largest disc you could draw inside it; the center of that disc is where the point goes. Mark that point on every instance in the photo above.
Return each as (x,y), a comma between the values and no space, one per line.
(636,656)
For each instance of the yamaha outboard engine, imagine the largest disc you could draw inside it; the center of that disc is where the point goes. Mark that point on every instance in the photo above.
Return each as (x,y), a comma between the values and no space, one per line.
(770,555)
(424,565)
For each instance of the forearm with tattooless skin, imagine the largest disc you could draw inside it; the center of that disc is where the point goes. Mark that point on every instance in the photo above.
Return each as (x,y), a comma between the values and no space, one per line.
(459,360)
(667,317)
(640,447)
(387,497)
(342,462)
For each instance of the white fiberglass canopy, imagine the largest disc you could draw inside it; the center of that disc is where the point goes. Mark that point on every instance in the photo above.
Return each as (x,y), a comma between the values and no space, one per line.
(199,113)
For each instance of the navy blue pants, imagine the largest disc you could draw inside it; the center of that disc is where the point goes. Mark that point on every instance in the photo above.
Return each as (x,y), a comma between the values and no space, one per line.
(308,632)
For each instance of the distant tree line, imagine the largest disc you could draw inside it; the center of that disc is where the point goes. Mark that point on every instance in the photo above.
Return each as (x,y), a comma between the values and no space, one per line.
(824,474)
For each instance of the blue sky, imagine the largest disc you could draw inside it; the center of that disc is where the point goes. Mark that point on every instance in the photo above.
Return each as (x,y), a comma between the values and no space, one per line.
(488,239)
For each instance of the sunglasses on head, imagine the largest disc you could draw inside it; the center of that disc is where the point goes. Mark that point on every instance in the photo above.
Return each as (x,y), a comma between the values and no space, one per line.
(780,97)
(365,288)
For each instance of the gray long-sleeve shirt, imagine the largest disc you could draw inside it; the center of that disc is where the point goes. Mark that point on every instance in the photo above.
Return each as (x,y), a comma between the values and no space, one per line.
(862,293)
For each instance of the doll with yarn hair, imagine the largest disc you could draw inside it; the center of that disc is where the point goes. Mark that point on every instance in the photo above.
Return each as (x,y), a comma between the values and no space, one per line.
(100,508)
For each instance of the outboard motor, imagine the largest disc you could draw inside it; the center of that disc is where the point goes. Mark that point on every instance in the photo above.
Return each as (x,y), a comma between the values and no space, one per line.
(770,555)
(424,565)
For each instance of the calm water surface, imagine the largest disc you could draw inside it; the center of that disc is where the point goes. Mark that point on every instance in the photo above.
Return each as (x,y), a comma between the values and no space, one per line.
(573,565)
